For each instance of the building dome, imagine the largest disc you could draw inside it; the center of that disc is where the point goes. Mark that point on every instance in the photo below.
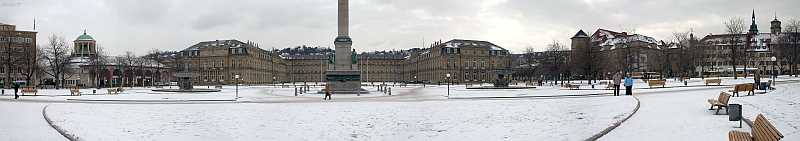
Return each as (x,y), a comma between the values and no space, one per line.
(85,37)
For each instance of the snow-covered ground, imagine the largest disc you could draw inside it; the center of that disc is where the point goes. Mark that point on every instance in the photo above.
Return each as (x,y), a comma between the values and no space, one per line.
(551,119)
(22,121)
(674,116)
(682,113)
(781,107)
(677,112)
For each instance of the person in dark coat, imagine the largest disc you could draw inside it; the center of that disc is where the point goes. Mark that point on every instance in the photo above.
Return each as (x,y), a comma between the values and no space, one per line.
(16,89)
(616,83)
(327,92)
(757,79)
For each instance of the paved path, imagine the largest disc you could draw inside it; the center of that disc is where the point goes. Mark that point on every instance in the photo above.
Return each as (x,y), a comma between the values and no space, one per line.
(673,116)
(23,121)
(676,115)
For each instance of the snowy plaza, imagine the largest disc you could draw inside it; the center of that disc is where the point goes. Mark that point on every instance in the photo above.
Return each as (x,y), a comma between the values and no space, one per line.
(412,112)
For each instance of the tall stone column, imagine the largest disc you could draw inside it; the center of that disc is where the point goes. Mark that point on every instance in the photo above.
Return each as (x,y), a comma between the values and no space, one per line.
(344,78)
(344,18)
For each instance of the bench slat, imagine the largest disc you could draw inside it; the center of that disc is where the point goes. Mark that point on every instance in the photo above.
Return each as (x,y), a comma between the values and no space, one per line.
(764,131)
(739,136)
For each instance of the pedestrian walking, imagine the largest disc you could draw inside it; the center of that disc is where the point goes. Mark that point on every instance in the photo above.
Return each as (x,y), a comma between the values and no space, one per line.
(16,89)
(628,85)
(757,79)
(327,92)
(617,81)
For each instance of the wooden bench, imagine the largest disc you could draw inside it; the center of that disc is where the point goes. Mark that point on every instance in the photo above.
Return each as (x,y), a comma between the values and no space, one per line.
(762,130)
(115,90)
(710,81)
(75,91)
(720,102)
(572,86)
(742,88)
(661,83)
(29,90)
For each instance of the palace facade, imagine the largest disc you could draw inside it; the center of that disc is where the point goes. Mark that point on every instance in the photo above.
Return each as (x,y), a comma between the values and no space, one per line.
(467,61)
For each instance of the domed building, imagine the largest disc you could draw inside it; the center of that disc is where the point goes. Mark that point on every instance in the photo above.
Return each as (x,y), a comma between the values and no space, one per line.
(90,69)
(85,46)
(84,51)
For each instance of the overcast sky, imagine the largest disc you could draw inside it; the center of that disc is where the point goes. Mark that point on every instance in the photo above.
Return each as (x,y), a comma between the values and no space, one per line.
(141,25)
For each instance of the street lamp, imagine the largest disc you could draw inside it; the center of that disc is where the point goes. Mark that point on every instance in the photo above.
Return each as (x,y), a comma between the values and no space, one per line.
(237,86)
(448,84)
(774,74)
(415,81)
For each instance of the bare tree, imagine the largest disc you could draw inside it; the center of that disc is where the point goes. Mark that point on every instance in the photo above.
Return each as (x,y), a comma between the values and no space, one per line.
(735,27)
(98,62)
(56,56)
(530,59)
(685,57)
(555,60)
(32,63)
(125,62)
(786,48)
(793,29)
(157,56)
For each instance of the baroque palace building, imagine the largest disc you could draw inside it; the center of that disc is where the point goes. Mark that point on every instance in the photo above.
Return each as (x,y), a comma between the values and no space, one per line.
(753,51)
(217,62)
(18,53)
(468,61)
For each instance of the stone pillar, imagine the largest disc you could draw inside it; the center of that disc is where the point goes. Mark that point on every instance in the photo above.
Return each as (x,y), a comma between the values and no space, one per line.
(344,77)
(344,18)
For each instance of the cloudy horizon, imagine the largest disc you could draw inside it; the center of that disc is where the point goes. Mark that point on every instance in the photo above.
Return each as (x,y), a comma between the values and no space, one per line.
(142,25)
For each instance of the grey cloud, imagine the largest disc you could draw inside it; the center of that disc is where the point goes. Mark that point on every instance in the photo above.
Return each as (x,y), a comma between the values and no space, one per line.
(140,11)
(375,24)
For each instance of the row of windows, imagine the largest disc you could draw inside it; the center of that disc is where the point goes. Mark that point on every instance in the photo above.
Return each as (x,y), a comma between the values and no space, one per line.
(16,39)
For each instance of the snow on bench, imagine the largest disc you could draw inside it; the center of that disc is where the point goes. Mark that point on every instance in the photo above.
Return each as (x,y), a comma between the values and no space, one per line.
(720,102)
(661,83)
(742,88)
(29,90)
(710,81)
(762,131)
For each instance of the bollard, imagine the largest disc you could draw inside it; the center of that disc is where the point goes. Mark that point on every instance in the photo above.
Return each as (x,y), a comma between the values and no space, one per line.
(295,91)
(94,91)
(390,91)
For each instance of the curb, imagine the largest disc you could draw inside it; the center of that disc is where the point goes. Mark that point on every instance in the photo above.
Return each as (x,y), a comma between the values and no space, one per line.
(147,101)
(57,128)
(617,124)
(533,96)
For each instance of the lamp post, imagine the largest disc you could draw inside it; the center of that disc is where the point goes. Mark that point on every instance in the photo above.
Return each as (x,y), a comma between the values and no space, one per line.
(237,86)
(415,79)
(448,84)
(774,74)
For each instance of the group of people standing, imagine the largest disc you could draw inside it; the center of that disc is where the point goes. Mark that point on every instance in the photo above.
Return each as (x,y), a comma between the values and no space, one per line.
(627,81)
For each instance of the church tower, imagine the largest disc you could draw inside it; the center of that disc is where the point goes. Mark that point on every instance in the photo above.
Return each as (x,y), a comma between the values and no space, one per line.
(753,26)
(775,27)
